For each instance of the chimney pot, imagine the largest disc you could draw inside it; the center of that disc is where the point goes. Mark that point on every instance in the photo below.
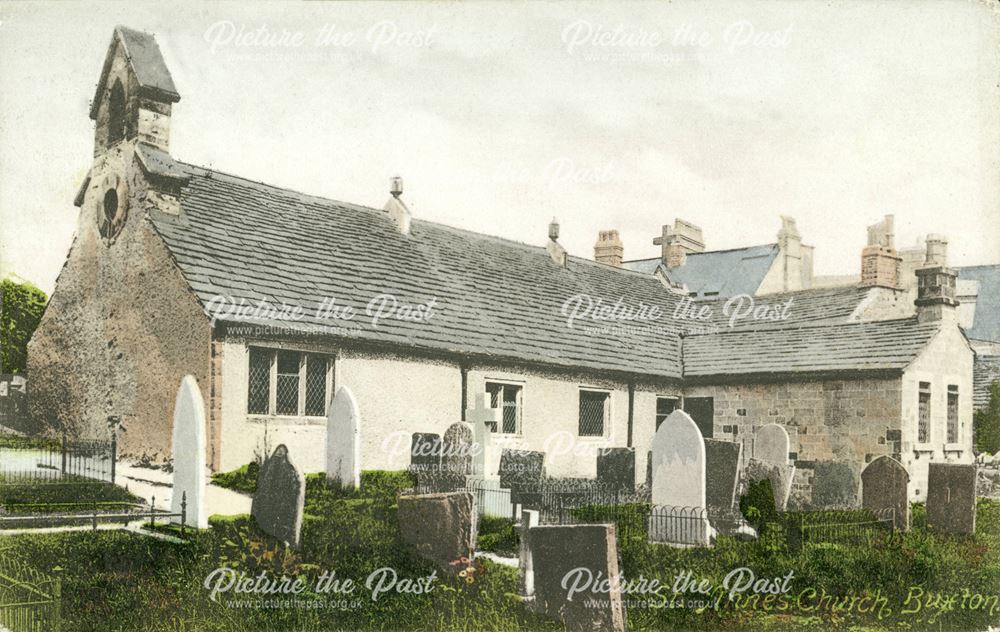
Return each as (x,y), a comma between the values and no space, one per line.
(396,186)
(609,249)
(554,229)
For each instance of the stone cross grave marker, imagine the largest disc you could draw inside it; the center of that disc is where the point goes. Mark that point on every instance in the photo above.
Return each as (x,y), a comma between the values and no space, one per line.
(616,468)
(280,497)
(951,498)
(771,444)
(884,486)
(563,559)
(483,420)
(343,440)
(189,445)
(439,527)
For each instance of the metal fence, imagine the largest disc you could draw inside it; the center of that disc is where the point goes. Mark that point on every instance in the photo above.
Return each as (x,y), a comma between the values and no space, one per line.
(30,601)
(41,515)
(59,462)
(856,527)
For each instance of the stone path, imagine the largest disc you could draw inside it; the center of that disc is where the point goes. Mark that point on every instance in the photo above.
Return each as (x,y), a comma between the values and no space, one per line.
(148,483)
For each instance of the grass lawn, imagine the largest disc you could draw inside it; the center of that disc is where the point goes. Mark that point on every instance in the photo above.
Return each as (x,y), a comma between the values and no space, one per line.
(119,581)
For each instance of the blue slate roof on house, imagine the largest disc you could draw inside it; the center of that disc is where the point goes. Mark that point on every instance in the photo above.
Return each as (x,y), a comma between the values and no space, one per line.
(986,324)
(718,273)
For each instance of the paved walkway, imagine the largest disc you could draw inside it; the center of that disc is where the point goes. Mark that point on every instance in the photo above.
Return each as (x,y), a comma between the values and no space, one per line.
(148,483)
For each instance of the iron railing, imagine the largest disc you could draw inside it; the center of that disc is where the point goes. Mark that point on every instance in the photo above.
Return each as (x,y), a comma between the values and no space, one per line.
(54,463)
(30,601)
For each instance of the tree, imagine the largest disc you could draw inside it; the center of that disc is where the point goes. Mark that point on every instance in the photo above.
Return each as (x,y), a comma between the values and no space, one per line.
(987,423)
(21,307)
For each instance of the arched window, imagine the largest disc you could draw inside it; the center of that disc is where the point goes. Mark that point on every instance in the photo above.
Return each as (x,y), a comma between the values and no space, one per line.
(116,114)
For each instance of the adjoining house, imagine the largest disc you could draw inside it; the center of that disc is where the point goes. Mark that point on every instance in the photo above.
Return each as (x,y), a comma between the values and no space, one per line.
(783,266)
(272,298)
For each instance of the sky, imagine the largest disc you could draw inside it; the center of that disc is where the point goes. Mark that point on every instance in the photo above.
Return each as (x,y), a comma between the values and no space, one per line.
(501,116)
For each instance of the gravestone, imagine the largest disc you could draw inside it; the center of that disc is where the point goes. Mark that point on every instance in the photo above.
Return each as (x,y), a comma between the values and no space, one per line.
(280,497)
(439,527)
(678,489)
(722,472)
(951,498)
(425,452)
(780,476)
(521,471)
(678,463)
(883,486)
(343,440)
(525,566)
(456,460)
(771,444)
(616,468)
(189,444)
(483,420)
(834,484)
(563,558)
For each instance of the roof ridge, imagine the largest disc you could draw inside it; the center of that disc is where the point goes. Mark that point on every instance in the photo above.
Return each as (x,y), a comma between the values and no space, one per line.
(778,328)
(209,172)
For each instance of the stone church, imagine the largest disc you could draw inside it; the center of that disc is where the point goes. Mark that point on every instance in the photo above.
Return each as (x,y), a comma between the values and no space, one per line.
(271,298)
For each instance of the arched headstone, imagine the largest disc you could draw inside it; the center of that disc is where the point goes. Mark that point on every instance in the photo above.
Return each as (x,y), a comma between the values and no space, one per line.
(189,446)
(343,440)
(884,486)
(678,462)
(771,444)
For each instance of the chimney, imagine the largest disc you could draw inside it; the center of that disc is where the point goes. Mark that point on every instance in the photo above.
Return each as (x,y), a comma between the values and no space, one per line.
(609,249)
(879,261)
(398,213)
(790,254)
(555,250)
(679,241)
(936,284)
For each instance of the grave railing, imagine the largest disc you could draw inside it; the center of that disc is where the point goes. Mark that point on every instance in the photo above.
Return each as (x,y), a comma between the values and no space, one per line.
(59,462)
(855,527)
(30,601)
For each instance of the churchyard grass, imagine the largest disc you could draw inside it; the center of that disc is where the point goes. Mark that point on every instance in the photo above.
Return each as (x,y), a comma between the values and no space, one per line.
(19,496)
(122,581)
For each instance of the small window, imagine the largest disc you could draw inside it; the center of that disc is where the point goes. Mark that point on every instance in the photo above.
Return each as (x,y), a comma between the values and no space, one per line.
(924,413)
(506,397)
(664,406)
(287,383)
(952,413)
(259,392)
(593,413)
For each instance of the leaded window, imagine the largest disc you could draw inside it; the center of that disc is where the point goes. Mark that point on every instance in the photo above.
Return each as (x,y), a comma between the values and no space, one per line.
(287,383)
(259,392)
(924,413)
(952,413)
(593,412)
(506,397)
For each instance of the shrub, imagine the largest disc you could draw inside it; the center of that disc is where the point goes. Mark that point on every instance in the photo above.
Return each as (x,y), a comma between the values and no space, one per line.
(242,479)
(987,423)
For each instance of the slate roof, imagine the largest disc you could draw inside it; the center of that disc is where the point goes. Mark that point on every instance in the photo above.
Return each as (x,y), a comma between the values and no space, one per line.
(986,323)
(147,63)
(985,371)
(831,306)
(888,345)
(722,273)
(494,297)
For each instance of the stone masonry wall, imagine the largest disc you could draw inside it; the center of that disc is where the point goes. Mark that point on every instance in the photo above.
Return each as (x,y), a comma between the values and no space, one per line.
(844,421)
